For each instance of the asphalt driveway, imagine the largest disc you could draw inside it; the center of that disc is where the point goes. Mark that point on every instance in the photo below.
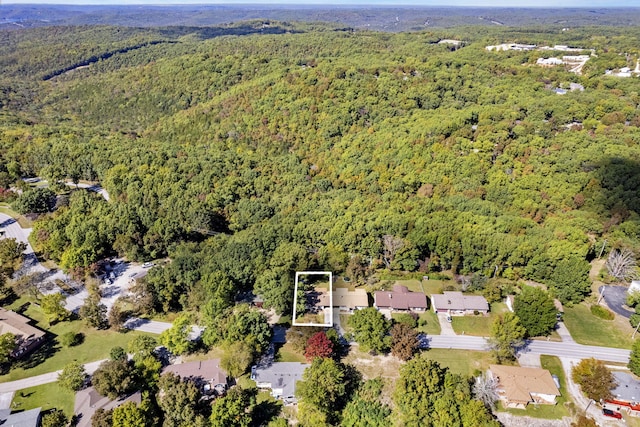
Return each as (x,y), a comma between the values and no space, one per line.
(615,297)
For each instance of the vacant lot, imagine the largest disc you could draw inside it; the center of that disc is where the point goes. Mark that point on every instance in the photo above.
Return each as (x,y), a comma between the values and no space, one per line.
(465,362)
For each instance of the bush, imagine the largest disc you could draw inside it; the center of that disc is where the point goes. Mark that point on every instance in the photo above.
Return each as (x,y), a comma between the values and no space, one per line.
(70,339)
(406,319)
(601,312)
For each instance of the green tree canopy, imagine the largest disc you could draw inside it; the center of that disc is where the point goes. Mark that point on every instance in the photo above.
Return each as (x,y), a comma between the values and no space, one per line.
(73,376)
(370,330)
(595,378)
(536,311)
(507,335)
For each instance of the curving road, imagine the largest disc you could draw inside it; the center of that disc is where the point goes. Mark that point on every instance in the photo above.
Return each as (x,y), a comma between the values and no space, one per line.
(12,230)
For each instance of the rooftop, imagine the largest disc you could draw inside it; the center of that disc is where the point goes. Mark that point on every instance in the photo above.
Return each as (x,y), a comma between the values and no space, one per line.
(282,375)
(200,370)
(28,418)
(453,300)
(518,383)
(400,298)
(88,401)
(17,324)
(343,297)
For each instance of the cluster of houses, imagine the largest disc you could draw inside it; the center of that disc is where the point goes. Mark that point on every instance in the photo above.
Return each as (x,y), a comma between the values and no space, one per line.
(401,300)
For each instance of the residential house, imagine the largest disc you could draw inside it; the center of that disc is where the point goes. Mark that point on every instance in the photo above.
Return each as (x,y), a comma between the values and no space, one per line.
(458,304)
(28,337)
(207,375)
(30,418)
(400,299)
(517,387)
(88,401)
(281,378)
(344,299)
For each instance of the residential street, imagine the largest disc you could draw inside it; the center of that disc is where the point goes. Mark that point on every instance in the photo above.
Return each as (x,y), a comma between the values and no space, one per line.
(560,349)
(42,379)
(12,230)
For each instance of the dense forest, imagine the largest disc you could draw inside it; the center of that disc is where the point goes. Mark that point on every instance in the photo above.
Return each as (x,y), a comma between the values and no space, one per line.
(247,152)
(292,147)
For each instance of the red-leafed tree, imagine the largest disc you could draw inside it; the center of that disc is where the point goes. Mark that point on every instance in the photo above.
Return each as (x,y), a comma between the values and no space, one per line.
(319,345)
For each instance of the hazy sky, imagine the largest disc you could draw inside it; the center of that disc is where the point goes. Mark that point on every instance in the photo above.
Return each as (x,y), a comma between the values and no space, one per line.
(493,3)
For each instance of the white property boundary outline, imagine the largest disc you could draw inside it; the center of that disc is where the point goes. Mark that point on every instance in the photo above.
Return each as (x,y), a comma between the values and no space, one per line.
(295,297)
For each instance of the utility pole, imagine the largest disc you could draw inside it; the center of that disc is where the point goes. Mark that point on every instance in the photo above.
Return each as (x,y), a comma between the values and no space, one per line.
(636,331)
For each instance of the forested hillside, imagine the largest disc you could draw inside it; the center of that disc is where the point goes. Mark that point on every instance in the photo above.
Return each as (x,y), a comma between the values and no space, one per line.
(252,151)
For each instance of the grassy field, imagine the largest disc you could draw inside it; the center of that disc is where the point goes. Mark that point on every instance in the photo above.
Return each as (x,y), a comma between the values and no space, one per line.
(465,362)
(47,396)
(588,329)
(432,327)
(52,356)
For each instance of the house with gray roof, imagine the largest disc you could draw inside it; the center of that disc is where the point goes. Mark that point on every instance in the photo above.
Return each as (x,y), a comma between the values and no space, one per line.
(30,418)
(458,304)
(206,374)
(281,378)
(28,337)
(88,401)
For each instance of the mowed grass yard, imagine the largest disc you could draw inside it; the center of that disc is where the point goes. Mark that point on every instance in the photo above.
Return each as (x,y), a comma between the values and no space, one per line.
(479,325)
(51,357)
(585,328)
(46,396)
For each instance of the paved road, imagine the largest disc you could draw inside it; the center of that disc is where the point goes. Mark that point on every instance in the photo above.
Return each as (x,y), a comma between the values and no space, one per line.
(616,297)
(42,379)
(144,325)
(95,188)
(560,349)
(12,230)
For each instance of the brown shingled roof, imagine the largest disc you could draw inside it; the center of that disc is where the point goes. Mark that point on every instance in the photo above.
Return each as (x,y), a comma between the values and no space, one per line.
(518,383)
(400,298)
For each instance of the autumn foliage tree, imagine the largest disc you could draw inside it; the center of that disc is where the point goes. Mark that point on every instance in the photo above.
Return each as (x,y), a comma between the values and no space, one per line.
(595,378)
(318,345)
(404,341)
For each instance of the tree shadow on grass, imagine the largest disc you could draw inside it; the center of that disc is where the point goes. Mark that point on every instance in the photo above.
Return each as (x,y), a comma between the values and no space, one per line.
(265,411)
(46,351)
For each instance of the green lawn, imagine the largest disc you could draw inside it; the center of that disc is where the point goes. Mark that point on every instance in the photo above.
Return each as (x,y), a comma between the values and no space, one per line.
(588,329)
(288,354)
(465,362)
(472,325)
(432,327)
(52,356)
(47,396)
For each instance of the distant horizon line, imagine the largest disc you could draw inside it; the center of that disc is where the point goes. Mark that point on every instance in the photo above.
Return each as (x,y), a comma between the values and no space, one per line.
(321,3)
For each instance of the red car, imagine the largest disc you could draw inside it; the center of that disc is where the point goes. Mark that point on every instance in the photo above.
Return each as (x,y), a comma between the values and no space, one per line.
(612,414)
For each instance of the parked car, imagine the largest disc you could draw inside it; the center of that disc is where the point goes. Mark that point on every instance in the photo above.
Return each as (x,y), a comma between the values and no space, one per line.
(448,318)
(148,265)
(612,414)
